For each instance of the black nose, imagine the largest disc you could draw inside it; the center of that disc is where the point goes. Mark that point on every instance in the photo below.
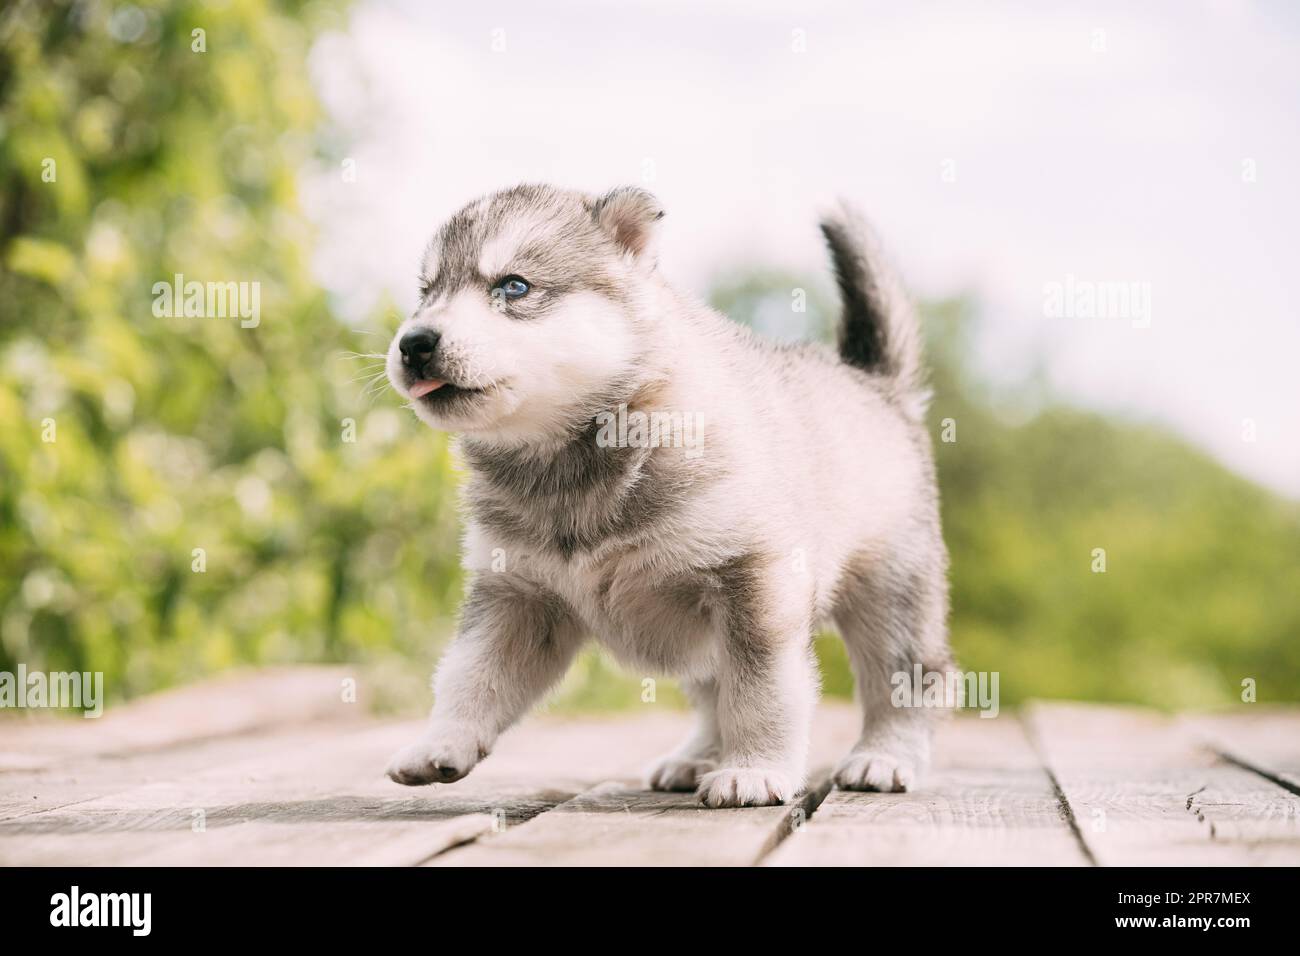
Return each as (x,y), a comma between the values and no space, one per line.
(417,348)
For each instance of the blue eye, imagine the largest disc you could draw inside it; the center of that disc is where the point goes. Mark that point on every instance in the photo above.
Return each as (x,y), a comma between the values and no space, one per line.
(512,287)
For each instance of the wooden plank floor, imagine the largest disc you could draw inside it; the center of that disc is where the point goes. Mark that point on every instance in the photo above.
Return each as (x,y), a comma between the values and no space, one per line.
(274,768)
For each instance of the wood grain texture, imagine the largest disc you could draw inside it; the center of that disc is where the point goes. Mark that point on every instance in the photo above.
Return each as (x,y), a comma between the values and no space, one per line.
(1143,792)
(618,823)
(238,703)
(986,802)
(273,769)
(315,797)
(1263,739)
(74,780)
(319,800)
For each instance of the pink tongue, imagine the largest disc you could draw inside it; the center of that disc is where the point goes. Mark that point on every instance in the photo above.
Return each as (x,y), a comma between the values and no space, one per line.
(420,389)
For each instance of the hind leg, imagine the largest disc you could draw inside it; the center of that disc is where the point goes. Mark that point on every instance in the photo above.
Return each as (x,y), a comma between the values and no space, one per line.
(892,616)
(698,754)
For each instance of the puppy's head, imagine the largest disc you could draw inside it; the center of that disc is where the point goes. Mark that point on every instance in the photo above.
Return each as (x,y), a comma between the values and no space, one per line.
(533,306)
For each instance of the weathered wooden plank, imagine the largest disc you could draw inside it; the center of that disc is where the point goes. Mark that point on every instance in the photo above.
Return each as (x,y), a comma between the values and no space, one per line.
(234,777)
(323,799)
(322,802)
(1143,793)
(336,831)
(986,802)
(620,823)
(77,779)
(238,703)
(1265,740)
(48,761)
(315,796)
(333,842)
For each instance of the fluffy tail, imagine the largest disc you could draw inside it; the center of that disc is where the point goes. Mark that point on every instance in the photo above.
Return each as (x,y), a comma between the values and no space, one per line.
(879,332)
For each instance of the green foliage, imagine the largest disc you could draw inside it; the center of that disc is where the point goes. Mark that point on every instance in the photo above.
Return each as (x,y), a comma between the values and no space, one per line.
(176,434)
(131,441)
(1201,587)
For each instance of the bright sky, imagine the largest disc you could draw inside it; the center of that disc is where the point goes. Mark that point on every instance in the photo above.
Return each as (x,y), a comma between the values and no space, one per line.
(998,148)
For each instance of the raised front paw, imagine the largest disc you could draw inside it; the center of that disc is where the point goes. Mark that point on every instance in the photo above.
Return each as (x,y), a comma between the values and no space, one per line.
(436,758)
(679,773)
(877,770)
(746,787)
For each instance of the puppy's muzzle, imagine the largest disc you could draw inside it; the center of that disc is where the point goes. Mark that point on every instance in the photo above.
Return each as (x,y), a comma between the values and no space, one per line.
(418,347)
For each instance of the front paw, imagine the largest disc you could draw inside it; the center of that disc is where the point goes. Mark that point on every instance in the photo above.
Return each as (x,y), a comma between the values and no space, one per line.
(746,787)
(679,773)
(877,770)
(436,758)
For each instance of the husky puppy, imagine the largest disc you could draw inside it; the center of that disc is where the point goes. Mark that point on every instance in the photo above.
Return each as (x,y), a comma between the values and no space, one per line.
(808,492)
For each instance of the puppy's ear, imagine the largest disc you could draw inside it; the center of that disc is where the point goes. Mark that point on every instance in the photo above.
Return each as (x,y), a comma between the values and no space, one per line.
(631,217)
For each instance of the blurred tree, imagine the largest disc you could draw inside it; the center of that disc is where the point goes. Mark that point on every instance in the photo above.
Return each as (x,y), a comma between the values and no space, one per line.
(183,494)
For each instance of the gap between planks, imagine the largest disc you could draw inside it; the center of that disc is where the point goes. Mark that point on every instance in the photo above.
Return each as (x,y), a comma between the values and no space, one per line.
(617,823)
(1067,810)
(1263,740)
(987,801)
(1144,789)
(1077,784)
